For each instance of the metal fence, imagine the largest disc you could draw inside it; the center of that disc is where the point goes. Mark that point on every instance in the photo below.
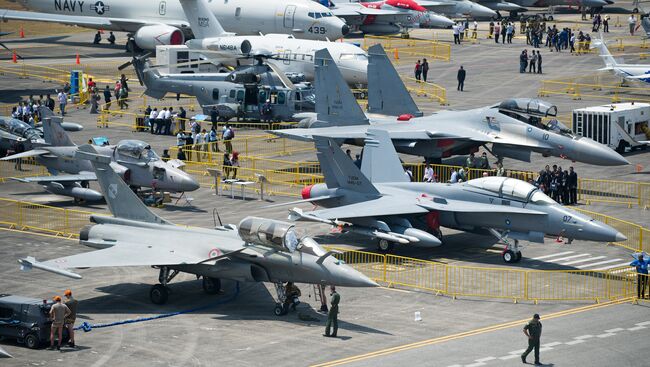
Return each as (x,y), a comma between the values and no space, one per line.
(397,47)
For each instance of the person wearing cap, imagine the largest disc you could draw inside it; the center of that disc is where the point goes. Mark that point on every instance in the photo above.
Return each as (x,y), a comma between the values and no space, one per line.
(533,331)
(641,266)
(58,313)
(267,111)
(71,303)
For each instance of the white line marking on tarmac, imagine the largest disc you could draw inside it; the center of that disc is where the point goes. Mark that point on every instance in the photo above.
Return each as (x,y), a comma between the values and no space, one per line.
(475,364)
(581,337)
(509,357)
(517,351)
(485,359)
(615,330)
(574,342)
(636,328)
(643,323)
(553,255)
(615,266)
(553,344)
(569,257)
(598,263)
(606,335)
(584,260)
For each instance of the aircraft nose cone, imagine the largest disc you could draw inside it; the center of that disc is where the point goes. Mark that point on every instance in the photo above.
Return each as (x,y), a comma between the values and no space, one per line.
(480,11)
(592,152)
(188,183)
(345,276)
(345,29)
(441,21)
(620,237)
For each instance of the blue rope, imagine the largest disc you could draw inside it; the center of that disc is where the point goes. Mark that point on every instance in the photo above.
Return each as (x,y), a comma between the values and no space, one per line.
(85,326)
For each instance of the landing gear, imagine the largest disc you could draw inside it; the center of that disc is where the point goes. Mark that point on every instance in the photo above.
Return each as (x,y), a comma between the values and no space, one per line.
(385,245)
(512,254)
(279,309)
(211,285)
(159,293)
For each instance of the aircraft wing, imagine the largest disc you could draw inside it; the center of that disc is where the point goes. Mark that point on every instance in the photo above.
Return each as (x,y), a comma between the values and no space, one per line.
(359,132)
(432,5)
(642,76)
(82,176)
(122,254)
(27,154)
(84,21)
(349,11)
(460,206)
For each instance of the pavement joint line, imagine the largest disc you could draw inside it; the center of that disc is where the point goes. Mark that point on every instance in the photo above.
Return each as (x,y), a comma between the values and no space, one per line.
(395,289)
(491,328)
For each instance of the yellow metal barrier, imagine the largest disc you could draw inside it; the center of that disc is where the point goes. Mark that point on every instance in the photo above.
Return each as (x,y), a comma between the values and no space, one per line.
(398,47)
(607,86)
(638,237)
(26,168)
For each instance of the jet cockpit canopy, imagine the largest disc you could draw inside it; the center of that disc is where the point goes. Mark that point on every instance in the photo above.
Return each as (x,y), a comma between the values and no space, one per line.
(528,106)
(511,188)
(137,150)
(19,128)
(270,233)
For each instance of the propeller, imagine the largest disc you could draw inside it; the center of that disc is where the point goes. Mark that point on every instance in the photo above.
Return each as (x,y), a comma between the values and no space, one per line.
(130,62)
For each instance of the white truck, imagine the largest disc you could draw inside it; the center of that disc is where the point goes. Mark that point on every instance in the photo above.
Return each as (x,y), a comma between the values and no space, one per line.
(621,126)
(179,59)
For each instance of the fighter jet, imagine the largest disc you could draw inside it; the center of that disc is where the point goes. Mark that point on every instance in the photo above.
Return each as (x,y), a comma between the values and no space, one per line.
(258,250)
(19,136)
(514,7)
(152,23)
(514,127)
(133,160)
(379,201)
(297,55)
(640,72)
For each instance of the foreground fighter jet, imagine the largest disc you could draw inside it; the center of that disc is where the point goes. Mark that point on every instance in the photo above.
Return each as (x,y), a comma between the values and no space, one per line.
(133,160)
(19,136)
(514,127)
(380,201)
(258,250)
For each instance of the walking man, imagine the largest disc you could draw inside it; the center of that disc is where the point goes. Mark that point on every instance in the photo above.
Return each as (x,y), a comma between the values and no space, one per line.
(539,62)
(332,316)
(533,331)
(71,303)
(461,78)
(425,69)
(58,313)
(641,266)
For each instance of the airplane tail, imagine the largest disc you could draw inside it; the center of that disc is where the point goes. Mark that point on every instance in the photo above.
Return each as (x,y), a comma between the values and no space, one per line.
(608,59)
(380,161)
(53,132)
(339,170)
(148,77)
(386,91)
(122,201)
(645,23)
(335,103)
(203,22)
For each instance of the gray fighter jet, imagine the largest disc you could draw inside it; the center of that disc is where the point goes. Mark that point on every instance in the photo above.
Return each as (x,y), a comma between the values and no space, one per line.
(239,93)
(258,250)
(133,160)
(514,127)
(380,201)
(19,136)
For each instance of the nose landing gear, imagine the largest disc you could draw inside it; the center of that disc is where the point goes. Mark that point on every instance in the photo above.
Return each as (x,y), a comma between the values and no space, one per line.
(512,253)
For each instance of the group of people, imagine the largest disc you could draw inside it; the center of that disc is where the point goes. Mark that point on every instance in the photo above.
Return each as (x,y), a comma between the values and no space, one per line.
(567,39)
(160,122)
(63,315)
(462,174)
(98,38)
(504,30)
(532,62)
(201,140)
(560,185)
(27,110)
(120,92)
(421,70)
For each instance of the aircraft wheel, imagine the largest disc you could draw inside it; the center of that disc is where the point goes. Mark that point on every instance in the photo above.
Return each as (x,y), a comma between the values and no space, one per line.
(211,285)
(385,245)
(159,294)
(550,18)
(635,10)
(279,310)
(518,256)
(32,341)
(509,256)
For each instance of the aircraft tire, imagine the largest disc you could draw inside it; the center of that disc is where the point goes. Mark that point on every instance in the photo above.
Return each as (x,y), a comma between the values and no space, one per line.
(509,257)
(278,310)
(385,245)
(519,256)
(211,285)
(159,294)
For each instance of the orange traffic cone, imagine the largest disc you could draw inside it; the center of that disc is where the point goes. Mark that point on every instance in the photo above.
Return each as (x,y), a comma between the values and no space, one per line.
(78,61)
(396,55)
(14,57)
(22,33)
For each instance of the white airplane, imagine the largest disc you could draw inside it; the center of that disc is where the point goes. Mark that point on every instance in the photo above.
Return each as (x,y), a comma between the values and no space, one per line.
(296,55)
(162,22)
(639,72)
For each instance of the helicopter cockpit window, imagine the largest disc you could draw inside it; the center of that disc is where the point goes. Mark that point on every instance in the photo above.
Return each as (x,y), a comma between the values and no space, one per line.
(281,98)
(263,96)
(215,94)
(232,93)
(240,96)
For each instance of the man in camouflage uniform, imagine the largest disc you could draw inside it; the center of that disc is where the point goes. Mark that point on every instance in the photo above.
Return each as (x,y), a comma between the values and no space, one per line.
(533,331)
(332,316)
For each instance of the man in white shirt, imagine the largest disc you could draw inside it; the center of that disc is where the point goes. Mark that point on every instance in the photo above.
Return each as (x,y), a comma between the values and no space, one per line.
(454,176)
(428,174)
(153,119)
(180,138)
(632,21)
(198,144)
(63,100)
(167,121)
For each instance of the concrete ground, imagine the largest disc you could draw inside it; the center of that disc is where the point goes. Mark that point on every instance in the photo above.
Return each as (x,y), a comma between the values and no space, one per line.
(378,322)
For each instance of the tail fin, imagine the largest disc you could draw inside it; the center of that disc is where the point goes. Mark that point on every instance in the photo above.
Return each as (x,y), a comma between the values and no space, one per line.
(386,91)
(335,103)
(645,23)
(339,170)
(122,201)
(380,160)
(148,77)
(203,22)
(608,59)
(53,132)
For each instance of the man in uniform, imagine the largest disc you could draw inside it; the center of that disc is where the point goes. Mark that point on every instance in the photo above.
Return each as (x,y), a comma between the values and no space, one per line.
(71,303)
(332,316)
(58,313)
(533,331)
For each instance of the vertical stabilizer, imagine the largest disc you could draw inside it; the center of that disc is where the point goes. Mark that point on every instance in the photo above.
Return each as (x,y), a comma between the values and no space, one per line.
(380,161)
(387,94)
(608,59)
(339,170)
(53,132)
(203,22)
(335,103)
(122,201)
(149,77)
(645,23)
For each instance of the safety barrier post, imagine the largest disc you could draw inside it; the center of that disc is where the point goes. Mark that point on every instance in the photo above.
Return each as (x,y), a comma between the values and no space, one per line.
(447,279)
(384,278)
(66,221)
(525,285)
